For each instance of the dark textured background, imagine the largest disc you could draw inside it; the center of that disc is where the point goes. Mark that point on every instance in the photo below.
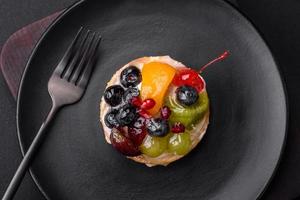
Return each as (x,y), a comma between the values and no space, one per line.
(277,20)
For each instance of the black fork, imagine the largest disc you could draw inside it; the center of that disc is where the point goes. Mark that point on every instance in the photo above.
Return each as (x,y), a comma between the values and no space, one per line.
(66,86)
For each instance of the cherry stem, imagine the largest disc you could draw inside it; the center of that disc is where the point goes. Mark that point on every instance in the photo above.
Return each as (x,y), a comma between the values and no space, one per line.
(219,58)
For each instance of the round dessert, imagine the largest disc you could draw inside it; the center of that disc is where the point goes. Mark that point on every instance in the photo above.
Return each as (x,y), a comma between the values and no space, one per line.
(155,110)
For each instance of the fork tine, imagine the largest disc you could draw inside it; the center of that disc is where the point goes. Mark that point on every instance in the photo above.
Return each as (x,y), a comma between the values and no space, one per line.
(69,69)
(83,60)
(63,62)
(83,81)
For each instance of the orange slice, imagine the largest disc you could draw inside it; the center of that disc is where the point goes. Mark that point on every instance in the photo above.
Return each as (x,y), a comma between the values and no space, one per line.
(156,80)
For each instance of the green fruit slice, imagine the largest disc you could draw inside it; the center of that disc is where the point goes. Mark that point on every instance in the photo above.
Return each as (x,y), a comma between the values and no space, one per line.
(188,115)
(180,144)
(154,146)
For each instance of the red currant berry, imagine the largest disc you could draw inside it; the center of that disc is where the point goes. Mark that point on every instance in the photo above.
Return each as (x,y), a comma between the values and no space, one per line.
(144,114)
(165,112)
(178,128)
(147,104)
(136,101)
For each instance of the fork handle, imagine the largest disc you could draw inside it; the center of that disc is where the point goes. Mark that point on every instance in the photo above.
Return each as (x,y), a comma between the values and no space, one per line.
(29,156)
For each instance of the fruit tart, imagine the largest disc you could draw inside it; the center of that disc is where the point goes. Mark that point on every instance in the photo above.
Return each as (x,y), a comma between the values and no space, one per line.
(155,110)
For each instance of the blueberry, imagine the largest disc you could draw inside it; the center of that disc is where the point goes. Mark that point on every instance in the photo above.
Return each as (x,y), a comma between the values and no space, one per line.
(130,93)
(113,95)
(157,127)
(110,119)
(139,122)
(126,114)
(130,77)
(187,95)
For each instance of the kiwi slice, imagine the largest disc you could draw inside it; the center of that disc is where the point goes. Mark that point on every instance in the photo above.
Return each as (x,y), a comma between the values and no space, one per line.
(188,115)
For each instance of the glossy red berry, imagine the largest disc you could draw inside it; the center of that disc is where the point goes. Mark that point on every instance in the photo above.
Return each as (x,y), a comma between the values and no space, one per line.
(178,128)
(189,77)
(136,101)
(137,135)
(144,114)
(123,144)
(165,112)
(147,104)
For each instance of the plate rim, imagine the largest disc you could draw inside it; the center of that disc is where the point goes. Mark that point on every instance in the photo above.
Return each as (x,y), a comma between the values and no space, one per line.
(228,3)
(48,29)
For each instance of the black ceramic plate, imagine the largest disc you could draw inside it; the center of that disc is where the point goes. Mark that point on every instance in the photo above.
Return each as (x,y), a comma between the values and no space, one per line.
(242,146)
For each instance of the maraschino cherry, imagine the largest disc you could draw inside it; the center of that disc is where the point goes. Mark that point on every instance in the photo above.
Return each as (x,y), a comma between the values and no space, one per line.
(190,77)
